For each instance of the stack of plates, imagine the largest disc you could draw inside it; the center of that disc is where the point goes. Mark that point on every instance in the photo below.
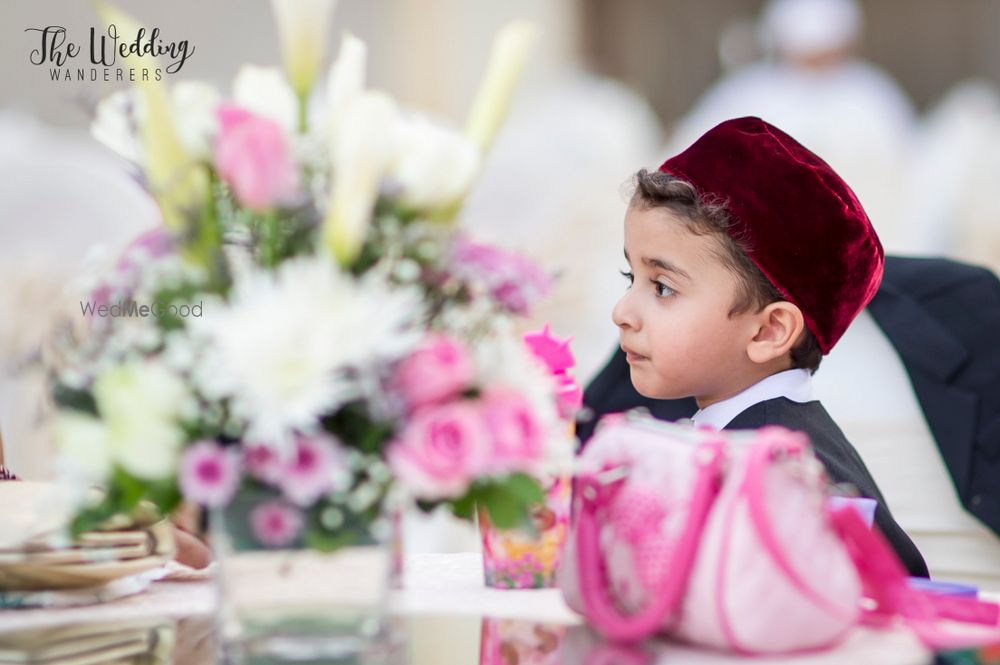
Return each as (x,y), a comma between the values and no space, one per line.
(32,558)
(121,642)
(93,560)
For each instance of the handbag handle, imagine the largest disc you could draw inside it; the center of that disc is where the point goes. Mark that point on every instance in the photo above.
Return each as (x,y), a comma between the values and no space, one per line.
(760,457)
(885,581)
(600,608)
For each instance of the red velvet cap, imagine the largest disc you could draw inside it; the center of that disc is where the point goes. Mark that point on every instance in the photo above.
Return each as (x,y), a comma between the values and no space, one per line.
(801,223)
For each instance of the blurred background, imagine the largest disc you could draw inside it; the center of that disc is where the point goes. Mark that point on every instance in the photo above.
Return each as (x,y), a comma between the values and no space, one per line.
(900,96)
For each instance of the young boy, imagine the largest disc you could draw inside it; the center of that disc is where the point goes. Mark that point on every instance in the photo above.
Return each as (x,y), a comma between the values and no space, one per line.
(749,257)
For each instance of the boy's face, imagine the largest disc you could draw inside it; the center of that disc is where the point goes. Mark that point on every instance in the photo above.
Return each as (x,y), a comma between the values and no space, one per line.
(673,321)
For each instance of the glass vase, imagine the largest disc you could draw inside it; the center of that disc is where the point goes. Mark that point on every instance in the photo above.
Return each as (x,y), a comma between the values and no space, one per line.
(300,601)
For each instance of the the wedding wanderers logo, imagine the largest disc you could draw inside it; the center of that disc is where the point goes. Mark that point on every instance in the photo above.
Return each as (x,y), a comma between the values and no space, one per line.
(114,55)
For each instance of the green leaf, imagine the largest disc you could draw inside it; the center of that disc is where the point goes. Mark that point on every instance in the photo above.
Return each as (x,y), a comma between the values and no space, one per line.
(504,514)
(325,541)
(509,500)
(525,487)
(464,507)
(71,398)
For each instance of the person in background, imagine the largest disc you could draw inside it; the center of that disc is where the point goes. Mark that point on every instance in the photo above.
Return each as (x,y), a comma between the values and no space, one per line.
(812,84)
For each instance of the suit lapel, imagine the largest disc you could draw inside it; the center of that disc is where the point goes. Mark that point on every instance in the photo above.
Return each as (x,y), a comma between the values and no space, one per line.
(932,356)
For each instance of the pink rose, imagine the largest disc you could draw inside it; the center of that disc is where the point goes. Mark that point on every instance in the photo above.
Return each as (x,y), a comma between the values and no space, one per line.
(253,158)
(441,451)
(518,436)
(437,371)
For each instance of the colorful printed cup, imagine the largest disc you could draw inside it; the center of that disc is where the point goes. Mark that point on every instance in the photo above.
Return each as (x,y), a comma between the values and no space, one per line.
(507,641)
(520,559)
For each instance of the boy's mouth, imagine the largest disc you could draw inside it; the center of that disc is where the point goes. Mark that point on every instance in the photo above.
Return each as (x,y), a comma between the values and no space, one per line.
(631,356)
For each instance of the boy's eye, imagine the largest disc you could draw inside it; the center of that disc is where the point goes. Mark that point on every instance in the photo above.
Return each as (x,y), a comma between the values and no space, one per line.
(661,289)
(628,275)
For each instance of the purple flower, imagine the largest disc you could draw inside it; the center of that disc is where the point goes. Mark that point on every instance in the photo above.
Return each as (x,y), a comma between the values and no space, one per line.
(209,473)
(275,523)
(316,466)
(516,282)
(151,244)
(262,462)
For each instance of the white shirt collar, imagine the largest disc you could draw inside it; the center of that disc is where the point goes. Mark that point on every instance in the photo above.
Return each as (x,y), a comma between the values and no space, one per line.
(795,384)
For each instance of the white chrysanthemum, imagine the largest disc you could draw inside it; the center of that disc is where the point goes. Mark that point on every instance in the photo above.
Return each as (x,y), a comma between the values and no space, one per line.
(281,347)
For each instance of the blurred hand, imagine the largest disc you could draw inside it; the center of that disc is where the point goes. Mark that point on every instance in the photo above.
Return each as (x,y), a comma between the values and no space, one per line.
(191,550)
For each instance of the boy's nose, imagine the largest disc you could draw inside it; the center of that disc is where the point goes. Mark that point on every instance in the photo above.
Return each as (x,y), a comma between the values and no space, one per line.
(624,314)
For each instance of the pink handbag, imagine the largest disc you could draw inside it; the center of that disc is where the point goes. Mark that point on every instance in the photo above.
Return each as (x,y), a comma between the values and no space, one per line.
(725,539)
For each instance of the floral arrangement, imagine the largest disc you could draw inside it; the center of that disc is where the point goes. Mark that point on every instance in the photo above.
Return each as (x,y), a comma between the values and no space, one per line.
(309,327)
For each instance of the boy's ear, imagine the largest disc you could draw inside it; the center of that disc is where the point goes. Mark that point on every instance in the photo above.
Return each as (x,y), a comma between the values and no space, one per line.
(779,326)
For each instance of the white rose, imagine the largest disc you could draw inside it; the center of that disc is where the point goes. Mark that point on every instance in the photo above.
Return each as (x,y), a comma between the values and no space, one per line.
(265,91)
(139,390)
(434,165)
(83,442)
(139,404)
(194,105)
(146,447)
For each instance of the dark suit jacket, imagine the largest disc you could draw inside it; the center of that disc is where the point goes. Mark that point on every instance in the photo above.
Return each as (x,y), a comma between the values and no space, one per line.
(943,318)
(841,460)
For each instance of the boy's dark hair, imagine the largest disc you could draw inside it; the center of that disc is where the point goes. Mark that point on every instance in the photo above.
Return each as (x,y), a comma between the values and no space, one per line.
(655,189)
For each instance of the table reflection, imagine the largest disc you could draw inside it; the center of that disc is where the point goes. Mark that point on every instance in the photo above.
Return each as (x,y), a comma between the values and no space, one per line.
(426,640)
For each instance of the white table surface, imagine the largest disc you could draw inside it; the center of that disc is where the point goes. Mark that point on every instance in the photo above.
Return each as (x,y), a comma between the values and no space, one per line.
(437,585)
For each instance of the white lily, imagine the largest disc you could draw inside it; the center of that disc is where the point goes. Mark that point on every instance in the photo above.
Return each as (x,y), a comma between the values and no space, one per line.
(363,147)
(265,91)
(192,104)
(507,59)
(302,29)
(115,122)
(179,184)
(346,80)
